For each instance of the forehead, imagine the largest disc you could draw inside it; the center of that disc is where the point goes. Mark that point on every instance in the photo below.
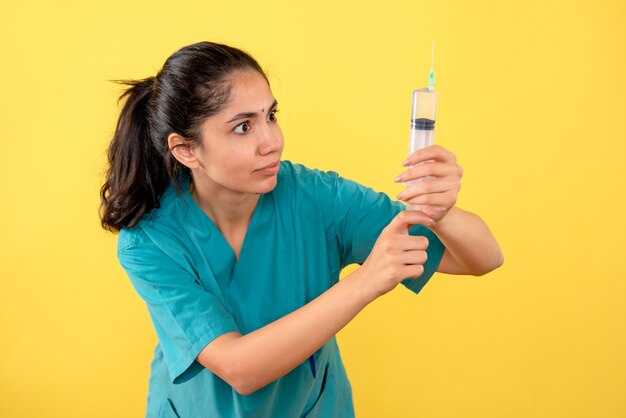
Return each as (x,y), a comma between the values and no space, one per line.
(249,92)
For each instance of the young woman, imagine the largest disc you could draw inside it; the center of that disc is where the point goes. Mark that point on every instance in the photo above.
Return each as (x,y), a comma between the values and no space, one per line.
(237,253)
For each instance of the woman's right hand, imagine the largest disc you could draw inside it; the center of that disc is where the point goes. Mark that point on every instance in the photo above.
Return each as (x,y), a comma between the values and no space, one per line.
(396,255)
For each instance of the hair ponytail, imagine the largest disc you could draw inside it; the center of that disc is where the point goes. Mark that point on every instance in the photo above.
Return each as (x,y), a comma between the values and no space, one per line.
(136,175)
(191,86)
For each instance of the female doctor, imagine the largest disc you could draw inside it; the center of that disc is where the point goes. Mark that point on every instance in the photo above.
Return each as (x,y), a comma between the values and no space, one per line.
(237,253)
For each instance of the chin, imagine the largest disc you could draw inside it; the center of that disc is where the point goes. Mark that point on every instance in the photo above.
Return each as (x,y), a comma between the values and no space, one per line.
(270,185)
(260,187)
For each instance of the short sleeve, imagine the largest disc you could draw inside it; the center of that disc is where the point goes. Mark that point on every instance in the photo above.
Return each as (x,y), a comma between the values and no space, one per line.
(360,214)
(186,316)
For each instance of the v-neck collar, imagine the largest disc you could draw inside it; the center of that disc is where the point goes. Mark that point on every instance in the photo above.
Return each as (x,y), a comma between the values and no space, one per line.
(214,232)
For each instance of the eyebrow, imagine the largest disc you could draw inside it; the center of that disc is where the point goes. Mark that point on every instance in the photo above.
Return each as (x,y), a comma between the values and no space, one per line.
(245,115)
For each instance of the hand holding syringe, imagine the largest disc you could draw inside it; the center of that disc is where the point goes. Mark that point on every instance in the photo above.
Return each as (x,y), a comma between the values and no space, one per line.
(433,178)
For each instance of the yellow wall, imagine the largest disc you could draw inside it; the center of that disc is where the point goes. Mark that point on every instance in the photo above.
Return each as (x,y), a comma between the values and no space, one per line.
(532,100)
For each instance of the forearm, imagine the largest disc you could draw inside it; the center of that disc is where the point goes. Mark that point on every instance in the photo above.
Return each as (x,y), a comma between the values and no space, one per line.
(274,350)
(469,241)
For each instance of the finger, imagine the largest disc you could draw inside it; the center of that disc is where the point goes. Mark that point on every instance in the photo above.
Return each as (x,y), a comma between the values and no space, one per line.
(412,242)
(432,169)
(446,199)
(432,186)
(413,257)
(412,271)
(432,152)
(407,218)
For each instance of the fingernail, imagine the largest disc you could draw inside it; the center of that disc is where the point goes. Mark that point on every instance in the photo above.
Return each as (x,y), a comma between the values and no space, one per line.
(400,196)
(405,162)
(397,179)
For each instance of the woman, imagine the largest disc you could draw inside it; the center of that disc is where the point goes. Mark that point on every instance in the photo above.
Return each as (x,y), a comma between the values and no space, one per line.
(237,254)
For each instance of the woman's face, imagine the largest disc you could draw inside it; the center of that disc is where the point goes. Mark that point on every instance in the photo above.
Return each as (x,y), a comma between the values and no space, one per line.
(242,138)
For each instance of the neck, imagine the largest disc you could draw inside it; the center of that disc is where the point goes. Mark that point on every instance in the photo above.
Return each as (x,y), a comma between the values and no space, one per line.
(229,210)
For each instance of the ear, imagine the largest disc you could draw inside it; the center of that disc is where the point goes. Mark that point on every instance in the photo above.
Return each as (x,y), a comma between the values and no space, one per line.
(181,148)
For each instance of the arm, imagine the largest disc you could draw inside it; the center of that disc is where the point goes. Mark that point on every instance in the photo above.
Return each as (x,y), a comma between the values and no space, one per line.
(254,360)
(470,246)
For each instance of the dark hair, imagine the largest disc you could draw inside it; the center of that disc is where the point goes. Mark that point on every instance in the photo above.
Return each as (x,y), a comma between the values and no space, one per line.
(192,85)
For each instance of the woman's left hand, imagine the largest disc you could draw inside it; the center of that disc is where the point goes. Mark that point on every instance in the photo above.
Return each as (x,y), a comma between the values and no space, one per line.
(439,190)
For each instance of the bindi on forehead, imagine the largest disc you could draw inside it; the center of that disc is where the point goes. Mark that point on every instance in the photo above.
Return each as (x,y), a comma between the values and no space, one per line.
(244,115)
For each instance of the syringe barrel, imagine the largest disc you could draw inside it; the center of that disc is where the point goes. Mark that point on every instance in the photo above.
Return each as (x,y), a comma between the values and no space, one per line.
(423,116)
(423,119)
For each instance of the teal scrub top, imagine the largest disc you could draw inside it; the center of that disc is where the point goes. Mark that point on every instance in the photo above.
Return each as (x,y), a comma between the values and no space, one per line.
(300,237)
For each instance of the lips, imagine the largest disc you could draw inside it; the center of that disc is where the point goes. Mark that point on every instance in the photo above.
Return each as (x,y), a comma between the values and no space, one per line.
(274,164)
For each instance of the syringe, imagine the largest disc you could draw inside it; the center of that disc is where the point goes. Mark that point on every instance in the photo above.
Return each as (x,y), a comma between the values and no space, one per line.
(423,119)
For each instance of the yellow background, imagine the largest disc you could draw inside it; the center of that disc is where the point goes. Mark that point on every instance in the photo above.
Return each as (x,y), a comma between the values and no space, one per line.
(532,100)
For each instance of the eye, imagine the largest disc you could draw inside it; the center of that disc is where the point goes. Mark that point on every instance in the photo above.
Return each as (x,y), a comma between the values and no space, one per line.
(271,116)
(242,128)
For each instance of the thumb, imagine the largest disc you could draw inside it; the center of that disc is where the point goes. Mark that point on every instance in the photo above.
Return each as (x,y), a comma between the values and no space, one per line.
(406,219)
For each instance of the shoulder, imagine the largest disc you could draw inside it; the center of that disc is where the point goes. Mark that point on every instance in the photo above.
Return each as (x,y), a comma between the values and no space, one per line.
(131,238)
(162,226)
(154,247)
(298,176)
(324,185)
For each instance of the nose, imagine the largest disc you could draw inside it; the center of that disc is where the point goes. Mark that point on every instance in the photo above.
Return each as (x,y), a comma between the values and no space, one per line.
(271,139)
